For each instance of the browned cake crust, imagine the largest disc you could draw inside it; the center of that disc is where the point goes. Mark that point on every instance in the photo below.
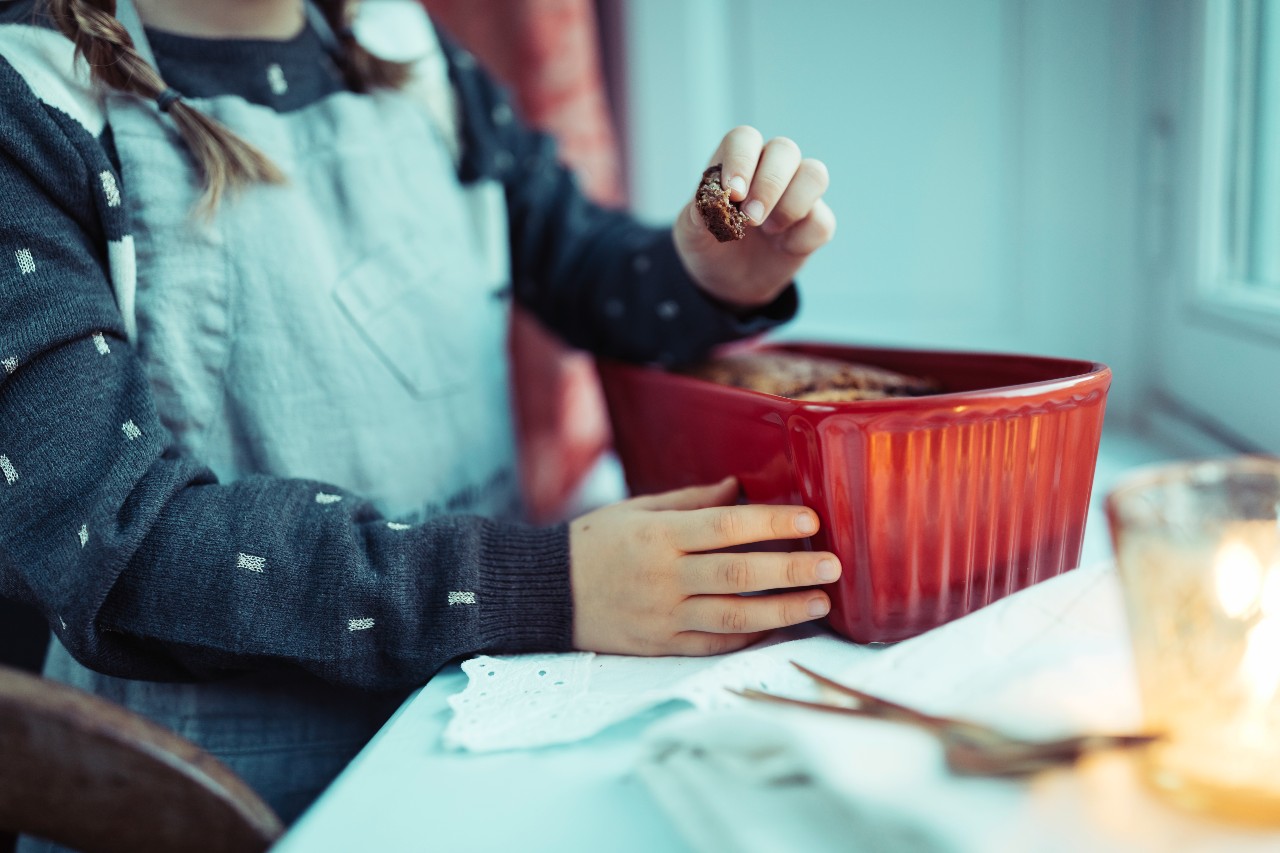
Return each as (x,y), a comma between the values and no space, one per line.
(722,216)
(810,378)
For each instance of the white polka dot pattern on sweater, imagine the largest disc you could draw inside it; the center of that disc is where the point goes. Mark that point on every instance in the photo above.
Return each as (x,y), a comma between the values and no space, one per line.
(26,262)
(10,364)
(10,473)
(463,597)
(130,430)
(83,533)
(359,624)
(110,189)
(327,498)
(276,80)
(251,563)
(100,344)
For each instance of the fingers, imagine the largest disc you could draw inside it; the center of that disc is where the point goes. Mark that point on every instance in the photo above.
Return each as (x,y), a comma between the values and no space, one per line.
(702,643)
(724,526)
(738,154)
(722,493)
(807,185)
(812,232)
(778,164)
(734,573)
(777,188)
(737,614)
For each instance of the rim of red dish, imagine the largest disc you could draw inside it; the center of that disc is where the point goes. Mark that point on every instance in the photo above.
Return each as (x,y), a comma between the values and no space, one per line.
(1088,373)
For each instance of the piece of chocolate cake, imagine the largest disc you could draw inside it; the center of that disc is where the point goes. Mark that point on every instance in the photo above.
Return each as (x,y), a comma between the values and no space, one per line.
(722,216)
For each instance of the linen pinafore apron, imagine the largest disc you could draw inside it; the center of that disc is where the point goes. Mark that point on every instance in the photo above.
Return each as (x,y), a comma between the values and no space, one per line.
(348,327)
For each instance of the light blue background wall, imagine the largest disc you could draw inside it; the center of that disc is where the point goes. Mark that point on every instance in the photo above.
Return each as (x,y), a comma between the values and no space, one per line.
(992,160)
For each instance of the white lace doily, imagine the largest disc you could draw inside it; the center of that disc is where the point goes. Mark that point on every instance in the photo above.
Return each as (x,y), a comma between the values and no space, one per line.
(523,701)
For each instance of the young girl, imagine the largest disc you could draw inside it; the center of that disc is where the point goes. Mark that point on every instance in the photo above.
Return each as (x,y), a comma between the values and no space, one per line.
(255,443)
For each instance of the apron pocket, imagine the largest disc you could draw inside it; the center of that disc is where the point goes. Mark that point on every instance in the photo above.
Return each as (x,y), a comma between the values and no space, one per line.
(424,320)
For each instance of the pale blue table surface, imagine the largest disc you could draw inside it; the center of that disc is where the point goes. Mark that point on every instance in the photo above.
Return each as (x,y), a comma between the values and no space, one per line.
(404,792)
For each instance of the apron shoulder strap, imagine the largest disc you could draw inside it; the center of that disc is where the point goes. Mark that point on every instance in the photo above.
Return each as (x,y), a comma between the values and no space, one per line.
(400,31)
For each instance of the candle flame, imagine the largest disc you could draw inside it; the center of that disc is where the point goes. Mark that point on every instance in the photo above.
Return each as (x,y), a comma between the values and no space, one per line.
(1238,578)
(1271,591)
(1260,667)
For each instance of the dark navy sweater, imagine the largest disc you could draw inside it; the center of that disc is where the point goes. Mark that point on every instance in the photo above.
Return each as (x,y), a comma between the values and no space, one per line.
(130,548)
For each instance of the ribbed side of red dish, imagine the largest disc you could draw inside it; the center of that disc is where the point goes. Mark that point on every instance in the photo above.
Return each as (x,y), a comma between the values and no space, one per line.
(936,505)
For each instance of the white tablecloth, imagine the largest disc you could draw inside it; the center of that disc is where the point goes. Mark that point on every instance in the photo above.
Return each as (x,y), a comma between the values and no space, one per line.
(1052,659)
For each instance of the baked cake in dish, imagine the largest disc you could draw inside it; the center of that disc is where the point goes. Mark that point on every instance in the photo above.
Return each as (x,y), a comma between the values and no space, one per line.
(810,378)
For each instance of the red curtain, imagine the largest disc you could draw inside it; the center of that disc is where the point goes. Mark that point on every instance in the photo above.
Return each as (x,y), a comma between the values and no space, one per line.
(546,52)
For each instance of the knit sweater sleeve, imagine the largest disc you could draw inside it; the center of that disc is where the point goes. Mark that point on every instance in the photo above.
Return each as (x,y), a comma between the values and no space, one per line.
(603,281)
(144,564)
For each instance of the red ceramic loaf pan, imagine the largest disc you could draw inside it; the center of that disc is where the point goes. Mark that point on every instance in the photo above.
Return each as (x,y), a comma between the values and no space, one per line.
(935,505)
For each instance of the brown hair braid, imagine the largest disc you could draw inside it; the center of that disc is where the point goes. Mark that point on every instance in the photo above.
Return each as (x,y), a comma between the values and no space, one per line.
(223,159)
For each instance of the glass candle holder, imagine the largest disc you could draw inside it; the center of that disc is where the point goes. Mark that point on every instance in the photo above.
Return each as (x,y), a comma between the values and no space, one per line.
(1198,553)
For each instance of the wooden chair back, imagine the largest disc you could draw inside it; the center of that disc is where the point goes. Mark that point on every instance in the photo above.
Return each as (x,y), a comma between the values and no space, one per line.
(88,774)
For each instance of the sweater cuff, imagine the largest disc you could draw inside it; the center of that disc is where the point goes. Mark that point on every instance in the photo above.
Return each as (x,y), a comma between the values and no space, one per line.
(527,603)
(754,321)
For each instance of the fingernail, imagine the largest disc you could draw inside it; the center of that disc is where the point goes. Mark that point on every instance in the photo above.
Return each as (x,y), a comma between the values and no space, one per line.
(828,570)
(818,607)
(754,209)
(737,185)
(805,524)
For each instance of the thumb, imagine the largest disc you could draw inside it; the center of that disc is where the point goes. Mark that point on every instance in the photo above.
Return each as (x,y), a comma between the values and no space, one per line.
(694,216)
(691,223)
(723,493)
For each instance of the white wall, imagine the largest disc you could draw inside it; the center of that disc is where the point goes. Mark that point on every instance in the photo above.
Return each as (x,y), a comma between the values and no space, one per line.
(989,158)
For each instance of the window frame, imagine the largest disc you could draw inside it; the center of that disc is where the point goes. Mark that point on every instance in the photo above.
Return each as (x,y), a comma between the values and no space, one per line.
(1221,293)
(1211,342)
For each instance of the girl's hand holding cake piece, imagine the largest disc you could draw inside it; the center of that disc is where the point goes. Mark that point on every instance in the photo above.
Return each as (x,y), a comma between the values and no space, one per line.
(775,202)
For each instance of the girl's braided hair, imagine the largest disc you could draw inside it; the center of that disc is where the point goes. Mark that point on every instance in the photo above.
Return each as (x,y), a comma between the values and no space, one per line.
(223,160)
